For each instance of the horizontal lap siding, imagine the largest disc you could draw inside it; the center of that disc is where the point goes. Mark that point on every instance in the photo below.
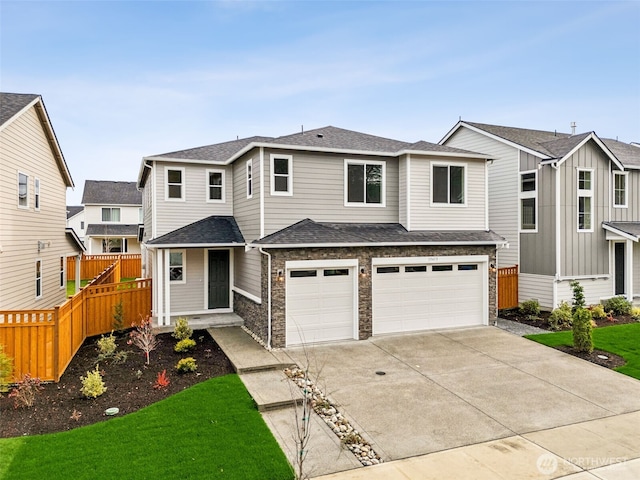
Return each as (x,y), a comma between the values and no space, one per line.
(190,296)
(503,188)
(247,271)
(539,287)
(595,290)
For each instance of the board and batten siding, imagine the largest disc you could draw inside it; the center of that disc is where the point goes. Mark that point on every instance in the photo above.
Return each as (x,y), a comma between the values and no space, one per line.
(636,269)
(190,296)
(24,147)
(426,215)
(403,211)
(503,188)
(584,253)
(632,212)
(318,192)
(538,287)
(172,214)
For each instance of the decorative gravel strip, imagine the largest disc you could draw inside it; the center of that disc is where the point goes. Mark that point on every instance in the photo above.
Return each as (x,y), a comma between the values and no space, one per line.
(349,437)
(256,338)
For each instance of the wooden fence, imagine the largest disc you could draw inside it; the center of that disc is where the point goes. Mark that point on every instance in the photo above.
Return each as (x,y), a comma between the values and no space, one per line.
(43,342)
(92,265)
(508,287)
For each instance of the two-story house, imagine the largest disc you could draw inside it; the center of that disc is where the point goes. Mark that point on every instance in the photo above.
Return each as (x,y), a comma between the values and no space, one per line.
(75,220)
(569,206)
(322,235)
(112,216)
(34,240)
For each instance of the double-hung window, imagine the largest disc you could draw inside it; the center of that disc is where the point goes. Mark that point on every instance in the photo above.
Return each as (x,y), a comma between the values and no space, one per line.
(215,186)
(111,214)
(585,200)
(38,278)
(249,178)
(281,175)
(176,266)
(174,183)
(36,193)
(364,183)
(620,189)
(448,184)
(23,190)
(528,201)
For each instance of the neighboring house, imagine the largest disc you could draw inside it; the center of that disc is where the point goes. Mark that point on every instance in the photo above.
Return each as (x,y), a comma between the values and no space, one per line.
(34,177)
(75,220)
(112,216)
(320,236)
(569,206)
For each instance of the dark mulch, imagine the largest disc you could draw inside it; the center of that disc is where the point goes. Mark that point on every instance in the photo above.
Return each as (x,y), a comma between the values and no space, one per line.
(60,406)
(599,357)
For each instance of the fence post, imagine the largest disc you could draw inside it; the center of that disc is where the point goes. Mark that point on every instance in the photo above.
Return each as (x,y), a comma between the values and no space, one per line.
(56,343)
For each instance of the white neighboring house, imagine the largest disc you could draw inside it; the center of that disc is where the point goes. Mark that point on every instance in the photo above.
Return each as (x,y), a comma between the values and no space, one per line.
(112,217)
(75,220)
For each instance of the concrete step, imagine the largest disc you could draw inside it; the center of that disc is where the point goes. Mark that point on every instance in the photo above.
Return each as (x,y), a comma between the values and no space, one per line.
(271,389)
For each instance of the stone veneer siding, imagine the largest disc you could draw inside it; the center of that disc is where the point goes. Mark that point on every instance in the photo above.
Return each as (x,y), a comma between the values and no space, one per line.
(255,315)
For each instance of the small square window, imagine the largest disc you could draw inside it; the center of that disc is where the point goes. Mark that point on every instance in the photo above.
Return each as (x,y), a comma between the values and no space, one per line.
(364,183)
(448,184)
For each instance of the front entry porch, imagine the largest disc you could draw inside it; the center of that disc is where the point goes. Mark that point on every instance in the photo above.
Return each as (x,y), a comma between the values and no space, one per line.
(202,322)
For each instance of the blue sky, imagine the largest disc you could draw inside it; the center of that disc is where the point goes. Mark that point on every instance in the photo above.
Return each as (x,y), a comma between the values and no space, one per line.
(122,80)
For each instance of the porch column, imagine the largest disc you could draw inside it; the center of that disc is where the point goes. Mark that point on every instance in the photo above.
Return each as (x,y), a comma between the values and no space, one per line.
(158,286)
(167,288)
(628,270)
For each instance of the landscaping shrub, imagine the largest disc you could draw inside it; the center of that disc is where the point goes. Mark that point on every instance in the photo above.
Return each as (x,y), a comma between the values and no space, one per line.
(530,308)
(144,338)
(25,391)
(635,314)
(92,384)
(162,381)
(6,367)
(187,365)
(182,330)
(184,345)
(118,317)
(618,305)
(578,295)
(107,345)
(561,317)
(597,312)
(582,330)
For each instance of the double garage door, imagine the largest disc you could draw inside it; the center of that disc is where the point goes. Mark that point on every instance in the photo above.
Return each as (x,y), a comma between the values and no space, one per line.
(408,294)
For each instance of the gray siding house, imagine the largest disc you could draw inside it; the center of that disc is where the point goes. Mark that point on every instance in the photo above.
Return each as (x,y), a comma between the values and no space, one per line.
(320,236)
(569,206)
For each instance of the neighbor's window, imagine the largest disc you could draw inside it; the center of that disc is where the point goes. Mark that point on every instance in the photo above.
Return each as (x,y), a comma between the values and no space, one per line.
(175,183)
(38,278)
(249,178)
(82,225)
(111,214)
(62,269)
(364,182)
(447,184)
(176,266)
(528,200)
(619,189)
(215,186)
(281,175)
(585,203)
(140,215)
(36,193)
(114,245)
(23,190)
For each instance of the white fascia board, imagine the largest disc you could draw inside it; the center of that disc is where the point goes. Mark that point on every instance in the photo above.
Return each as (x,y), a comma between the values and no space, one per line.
(432,153)
(453,130)
(430,259)
(192,245)
(626,235)
(143,167)
(373,244)
(603,147)
(186,160)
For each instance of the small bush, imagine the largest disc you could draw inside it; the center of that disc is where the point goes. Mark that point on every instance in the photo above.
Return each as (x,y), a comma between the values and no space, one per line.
(118,317)
(162,381)
(107,345)
(186,365)
(6,367)
(25,391)
(578,295)
(597,312)
(182,330)
(184,345)
(618,305)
(92,384)
(530,308)
(582,331)
(635,314)
(561,317)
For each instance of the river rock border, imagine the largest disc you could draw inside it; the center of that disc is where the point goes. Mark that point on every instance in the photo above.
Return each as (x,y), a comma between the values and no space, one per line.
(327,410)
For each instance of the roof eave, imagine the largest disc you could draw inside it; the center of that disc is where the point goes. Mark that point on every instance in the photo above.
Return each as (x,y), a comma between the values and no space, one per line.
(374,244)
(605,149)
(617,231)
(433,153)
(193,245)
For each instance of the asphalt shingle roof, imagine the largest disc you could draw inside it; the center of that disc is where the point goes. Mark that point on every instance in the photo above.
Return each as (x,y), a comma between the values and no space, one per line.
(101,192)
(214,230)
(631,228)
(217,152)
(73,210)
(12,103)
(309,232)
(625,152)
(112,230)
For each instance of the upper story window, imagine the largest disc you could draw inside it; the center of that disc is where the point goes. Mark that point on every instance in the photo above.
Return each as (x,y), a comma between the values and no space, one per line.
(364,182)
(36,193)
(23,190)
(585,200)
(528,200)
(111,214)
(281,175)
(215,186)
(174,177)
(448,184)
(176,266)
(82,225)
(140,215)
(620,189)
(38,278)
(249,178)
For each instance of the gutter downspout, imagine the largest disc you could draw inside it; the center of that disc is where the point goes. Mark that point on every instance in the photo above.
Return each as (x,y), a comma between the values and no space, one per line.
(268,298)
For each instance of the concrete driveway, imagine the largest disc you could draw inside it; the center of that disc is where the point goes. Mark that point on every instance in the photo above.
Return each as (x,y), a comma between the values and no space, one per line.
(447,389)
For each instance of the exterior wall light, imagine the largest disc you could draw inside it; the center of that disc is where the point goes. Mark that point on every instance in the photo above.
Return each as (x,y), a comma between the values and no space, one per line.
(492,268)
(279,275)
(363,272)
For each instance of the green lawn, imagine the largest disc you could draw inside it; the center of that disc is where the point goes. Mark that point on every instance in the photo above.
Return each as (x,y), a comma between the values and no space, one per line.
(623,340)
(71,284)
(211,430)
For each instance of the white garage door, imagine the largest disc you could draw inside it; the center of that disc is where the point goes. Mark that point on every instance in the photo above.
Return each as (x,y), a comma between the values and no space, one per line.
(321,303)
(421,296)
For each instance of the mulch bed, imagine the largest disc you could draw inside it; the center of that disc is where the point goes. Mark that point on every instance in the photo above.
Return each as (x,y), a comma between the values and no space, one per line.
(130,386)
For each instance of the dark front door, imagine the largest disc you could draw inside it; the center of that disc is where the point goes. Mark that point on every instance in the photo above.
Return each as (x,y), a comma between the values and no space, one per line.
(218,278)
(619,268)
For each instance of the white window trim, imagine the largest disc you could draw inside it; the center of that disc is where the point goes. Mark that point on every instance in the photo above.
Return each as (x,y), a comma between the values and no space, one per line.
(36,278)
(184,266)
(466,182)
(183,190)
(249,174)
(25,207)
(207,186)
(626,189)
(37,199)
(289,192)
(584,193)
(383,193)
(523,195)
(111,214)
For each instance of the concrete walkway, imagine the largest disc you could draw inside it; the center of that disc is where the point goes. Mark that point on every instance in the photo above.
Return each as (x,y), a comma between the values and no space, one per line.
(469,403)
